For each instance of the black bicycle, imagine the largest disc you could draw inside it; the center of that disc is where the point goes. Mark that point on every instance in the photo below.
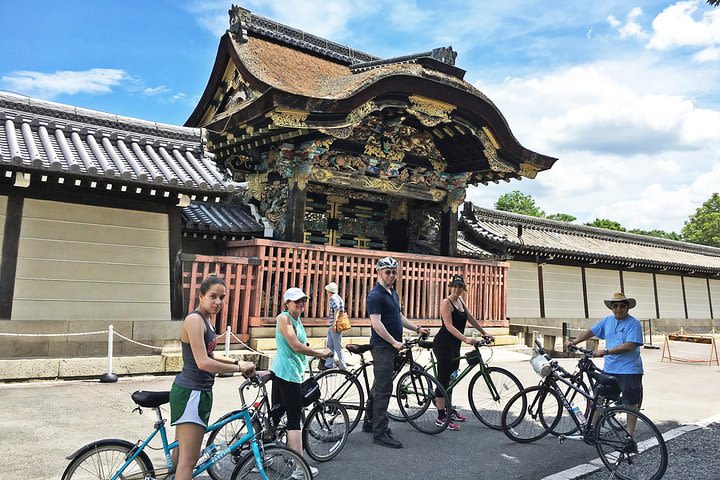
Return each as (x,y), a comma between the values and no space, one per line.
(628,442)
(413,390)
(324,432)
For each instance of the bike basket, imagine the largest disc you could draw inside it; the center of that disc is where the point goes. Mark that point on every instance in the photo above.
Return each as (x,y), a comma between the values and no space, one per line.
(473,358)
(540,364)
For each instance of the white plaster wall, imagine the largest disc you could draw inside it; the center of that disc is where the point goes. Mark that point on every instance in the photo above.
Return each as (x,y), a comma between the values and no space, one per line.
(696,296)
(715,296)
(640,287)
(670,296)
(600,284)
(523,292)
(80,262)
(563,292)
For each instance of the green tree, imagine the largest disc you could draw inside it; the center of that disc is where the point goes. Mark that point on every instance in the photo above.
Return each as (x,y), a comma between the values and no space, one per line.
(562,217)
(657,233)
(703,226)
(607,224)
(517,202)
(714,3)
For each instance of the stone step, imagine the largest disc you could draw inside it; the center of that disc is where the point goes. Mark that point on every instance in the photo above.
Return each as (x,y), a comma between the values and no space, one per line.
(269,332)
(263,344)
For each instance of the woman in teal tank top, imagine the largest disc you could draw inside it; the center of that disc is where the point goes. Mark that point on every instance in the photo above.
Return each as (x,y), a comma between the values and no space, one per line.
(289,364)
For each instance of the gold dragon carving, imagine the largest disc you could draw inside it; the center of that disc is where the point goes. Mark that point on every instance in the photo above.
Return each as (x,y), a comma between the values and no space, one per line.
(430,112)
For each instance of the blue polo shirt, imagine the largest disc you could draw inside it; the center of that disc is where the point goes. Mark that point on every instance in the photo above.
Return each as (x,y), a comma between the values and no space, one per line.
(387,305)
(616,332)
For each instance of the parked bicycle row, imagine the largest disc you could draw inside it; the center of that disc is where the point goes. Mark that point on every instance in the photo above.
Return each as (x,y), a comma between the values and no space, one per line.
(266,437)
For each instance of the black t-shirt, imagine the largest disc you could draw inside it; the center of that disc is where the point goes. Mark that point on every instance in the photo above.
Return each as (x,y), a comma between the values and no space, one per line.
(387,305)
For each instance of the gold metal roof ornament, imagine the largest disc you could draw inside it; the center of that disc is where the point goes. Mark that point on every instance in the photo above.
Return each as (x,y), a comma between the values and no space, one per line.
(430,112)
(289,118)
(528,170)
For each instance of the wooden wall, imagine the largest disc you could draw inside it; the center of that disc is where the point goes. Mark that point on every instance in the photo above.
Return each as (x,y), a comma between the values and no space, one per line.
(80,262)
(3,207)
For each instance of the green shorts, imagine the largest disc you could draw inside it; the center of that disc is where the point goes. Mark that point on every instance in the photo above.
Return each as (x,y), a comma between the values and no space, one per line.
(190,406)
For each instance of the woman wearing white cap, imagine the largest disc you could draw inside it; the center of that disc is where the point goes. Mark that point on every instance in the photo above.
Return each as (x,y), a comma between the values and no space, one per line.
(334,339)
(289,364)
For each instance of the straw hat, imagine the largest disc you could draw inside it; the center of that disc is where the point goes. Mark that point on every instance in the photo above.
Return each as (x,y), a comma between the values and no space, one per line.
(620,297)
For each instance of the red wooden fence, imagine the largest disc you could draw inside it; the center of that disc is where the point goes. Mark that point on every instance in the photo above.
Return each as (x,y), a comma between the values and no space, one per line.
(258,271)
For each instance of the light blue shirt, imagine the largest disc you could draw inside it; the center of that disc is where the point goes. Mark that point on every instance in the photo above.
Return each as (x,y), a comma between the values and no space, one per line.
(616,332)
(336,305)
(288,364)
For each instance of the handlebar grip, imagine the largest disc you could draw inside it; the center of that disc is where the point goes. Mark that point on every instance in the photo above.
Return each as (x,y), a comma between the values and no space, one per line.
(537,342)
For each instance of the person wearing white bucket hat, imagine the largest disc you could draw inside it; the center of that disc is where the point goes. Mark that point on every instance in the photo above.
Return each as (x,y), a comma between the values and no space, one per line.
(334,339)
(623,336)
(289,364)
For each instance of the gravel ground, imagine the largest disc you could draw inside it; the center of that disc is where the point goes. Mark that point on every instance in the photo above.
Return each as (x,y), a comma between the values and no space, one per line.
(692,456)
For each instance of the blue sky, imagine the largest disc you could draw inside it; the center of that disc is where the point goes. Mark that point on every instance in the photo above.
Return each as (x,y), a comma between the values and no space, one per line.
(625,93)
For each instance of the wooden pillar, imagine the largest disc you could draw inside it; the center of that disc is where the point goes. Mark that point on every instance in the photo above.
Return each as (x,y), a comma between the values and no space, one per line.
(177,306)
(295,219)
(11,242)
(541,291)
(448,233)
(584,290)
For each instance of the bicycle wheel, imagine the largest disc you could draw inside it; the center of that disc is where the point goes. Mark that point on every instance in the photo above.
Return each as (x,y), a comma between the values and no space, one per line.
(489,394)
(630,453)
(416,396)
(393,411)
(325,431)
(525,416)
(567,425)
(344,387)
(102,459)
(279,463)
(226,435)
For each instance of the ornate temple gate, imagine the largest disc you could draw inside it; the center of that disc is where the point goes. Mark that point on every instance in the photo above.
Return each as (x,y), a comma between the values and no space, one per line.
(259,271)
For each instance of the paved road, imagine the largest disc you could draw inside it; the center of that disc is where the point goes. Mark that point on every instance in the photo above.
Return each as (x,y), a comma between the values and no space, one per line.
(43,422)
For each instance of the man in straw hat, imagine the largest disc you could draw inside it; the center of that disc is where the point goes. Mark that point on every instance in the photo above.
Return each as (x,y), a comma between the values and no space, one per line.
(623,338)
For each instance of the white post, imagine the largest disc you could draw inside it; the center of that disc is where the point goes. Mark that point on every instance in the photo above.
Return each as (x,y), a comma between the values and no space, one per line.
(228,331)
(109,376)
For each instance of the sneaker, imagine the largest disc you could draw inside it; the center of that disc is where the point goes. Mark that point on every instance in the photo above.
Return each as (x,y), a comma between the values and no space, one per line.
(457,416)
(298,474)
(387,440)
(451,425)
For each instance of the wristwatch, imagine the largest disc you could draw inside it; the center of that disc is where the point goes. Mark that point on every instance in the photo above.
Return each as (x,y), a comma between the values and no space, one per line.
(607,352)
(237,361)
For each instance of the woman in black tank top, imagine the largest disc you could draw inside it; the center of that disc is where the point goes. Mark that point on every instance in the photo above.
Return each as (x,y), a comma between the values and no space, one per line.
(446,345)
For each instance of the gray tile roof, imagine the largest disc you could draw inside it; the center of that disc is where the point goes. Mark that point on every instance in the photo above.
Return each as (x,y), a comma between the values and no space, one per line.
(524,235)
(232,219)
(36,135)
(466,248)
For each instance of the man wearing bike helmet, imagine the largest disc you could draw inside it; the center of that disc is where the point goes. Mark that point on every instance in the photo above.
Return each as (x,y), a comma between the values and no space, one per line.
(623,338)
(387,321)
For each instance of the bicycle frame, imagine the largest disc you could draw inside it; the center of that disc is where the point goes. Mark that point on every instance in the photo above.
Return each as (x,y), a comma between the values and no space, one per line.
(466,371)
(168,447)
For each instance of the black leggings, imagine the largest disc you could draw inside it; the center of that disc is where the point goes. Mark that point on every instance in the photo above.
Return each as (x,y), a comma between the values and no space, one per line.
(289,395)
(447,361)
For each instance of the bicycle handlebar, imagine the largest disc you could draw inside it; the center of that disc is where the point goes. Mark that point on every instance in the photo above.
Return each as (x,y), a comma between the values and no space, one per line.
(575,348)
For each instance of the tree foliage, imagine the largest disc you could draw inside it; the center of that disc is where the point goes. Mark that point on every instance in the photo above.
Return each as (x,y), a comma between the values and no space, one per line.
(607,224)
(517,202)
(562,217)
(714,3)
(657,233)
(703,226)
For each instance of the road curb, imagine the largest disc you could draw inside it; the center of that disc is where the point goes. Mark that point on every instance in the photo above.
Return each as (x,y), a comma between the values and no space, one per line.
(585,469)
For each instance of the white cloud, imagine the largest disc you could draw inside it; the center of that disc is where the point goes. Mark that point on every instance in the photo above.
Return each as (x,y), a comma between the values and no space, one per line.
(676,27)
(710,54)
(64,82)
(152,91)
(631,28)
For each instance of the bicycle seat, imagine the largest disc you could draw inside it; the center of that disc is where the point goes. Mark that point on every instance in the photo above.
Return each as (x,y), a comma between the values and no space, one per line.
(425,344)
(150,399)
(358,349)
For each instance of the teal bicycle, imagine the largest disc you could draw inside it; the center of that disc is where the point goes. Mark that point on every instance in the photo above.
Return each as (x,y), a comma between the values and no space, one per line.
(114,459)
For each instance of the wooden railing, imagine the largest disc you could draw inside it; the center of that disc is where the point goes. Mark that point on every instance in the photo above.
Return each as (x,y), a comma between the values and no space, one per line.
(259,272)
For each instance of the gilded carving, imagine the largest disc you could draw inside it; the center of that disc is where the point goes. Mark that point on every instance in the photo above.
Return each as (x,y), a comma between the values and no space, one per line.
(256,185)
(322,175)
(361,112)
(289,118)
(491,154)
(430,112)
(340,132)
(381,185)
(529,170)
